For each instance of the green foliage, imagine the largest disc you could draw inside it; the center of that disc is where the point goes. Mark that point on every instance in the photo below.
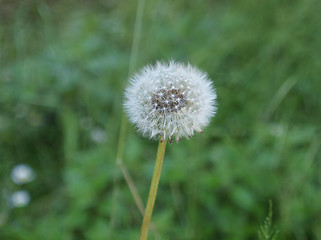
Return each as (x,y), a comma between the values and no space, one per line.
(64,66)
(267,232)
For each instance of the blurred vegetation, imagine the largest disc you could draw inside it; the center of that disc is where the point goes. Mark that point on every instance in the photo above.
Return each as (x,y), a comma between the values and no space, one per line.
(64,65)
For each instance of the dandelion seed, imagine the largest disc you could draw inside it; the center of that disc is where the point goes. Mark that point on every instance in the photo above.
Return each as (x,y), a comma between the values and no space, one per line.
(19,199)
(98,135)
(22,173)
(170,100)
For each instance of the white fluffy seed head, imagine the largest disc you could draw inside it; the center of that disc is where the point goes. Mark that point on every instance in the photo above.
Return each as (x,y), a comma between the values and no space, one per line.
(22,173)
(170,100)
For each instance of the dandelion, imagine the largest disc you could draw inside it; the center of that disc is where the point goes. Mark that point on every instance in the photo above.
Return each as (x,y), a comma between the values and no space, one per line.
(168,101)
(19,199)
(22,173)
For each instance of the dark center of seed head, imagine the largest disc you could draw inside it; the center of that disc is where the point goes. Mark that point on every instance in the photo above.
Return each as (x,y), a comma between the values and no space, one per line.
(169,100)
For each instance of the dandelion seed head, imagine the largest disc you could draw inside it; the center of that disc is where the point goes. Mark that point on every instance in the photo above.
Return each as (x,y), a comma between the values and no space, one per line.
(19,199)
(170,100)
(22,173)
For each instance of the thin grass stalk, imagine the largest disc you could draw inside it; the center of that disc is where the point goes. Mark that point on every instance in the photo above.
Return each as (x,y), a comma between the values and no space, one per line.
(124,121)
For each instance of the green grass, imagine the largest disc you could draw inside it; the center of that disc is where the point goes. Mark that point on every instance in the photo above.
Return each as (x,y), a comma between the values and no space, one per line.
(64,66)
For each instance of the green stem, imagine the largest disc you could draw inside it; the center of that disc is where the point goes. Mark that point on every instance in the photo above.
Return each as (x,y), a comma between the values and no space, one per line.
(153,189)
(132,66)
(124,122)
(121,140)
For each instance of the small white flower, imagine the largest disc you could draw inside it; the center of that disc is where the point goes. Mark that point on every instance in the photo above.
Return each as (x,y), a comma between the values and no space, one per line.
(98,135)
(20,199)
(22,173)
(170,100)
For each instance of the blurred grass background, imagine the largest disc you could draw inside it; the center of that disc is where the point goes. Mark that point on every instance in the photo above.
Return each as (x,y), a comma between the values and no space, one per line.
(64,65)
